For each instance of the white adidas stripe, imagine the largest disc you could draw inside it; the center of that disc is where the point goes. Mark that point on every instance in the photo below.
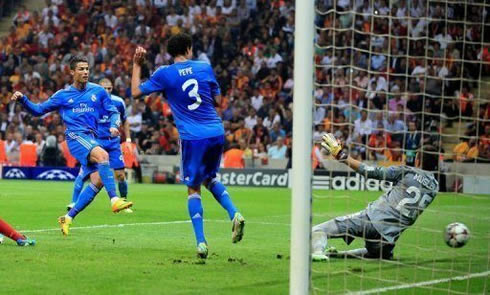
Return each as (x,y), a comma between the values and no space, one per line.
(76,137)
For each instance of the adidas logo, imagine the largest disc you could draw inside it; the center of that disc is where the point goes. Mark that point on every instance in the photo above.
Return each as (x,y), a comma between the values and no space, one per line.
(70,100)
(197,215)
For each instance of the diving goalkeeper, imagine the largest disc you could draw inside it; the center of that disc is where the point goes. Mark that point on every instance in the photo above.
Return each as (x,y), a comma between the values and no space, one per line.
(383,221)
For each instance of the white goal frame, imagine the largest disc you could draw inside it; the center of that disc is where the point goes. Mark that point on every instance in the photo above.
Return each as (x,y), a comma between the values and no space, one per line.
(302,144)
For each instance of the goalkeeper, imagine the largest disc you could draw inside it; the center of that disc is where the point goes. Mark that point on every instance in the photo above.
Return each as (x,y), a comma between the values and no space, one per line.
(383,221)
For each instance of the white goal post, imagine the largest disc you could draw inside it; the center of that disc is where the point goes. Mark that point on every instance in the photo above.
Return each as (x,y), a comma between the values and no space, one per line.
(302,144)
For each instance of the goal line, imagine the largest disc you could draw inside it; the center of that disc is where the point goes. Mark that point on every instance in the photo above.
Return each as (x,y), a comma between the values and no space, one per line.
(424,283)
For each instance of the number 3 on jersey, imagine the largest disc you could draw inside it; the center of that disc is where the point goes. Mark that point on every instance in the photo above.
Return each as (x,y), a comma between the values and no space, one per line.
(192,93)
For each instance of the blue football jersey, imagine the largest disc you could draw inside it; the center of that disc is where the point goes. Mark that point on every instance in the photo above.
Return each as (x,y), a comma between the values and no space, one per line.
(105,123)
(79,109)
(190,88)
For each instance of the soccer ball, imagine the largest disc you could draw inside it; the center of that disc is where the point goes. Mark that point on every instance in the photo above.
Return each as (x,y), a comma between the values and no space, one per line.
(456,235)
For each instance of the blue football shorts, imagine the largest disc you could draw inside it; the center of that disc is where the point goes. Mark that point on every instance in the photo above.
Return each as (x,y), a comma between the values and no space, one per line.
(200,159)
(113,147)
(80,145)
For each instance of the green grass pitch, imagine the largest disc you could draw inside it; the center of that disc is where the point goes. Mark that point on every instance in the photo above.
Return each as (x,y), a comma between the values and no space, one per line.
(153,251)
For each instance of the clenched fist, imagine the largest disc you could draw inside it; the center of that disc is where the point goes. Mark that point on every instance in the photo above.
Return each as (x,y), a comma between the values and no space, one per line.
(139,55)
(16,96)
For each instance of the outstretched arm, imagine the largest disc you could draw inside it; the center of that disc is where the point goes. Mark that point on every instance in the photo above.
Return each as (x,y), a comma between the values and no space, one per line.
(391,173)
(333,147)
(36,109)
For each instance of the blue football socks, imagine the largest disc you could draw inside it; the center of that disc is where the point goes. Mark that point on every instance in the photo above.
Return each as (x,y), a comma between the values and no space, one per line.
(196,213)
(77,188)
(123,188)
(221,195)
(107,177)
(85,198)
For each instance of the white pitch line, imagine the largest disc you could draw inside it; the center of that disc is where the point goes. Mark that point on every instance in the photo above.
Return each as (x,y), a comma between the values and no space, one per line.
(420,284)
(142,224)
(108,226)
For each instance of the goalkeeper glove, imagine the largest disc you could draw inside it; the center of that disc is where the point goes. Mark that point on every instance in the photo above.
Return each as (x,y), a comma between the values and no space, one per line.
(333,147)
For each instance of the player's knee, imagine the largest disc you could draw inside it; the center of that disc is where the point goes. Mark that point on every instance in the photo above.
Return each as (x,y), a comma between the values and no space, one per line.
(103,156)
(194,190)
(99,155)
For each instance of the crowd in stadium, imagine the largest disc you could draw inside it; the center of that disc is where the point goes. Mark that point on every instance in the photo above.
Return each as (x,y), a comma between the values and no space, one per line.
(250,45)
(402,91)
(252,60)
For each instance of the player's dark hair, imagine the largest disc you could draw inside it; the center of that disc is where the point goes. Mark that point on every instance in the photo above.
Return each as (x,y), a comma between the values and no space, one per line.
(74,60)
(179,44)
(429,158)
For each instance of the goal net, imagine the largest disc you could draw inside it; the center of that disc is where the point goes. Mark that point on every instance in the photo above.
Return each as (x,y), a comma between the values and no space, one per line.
(391,78)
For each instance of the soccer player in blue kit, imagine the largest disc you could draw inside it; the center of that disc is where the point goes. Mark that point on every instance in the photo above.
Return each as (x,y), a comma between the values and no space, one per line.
(192,91)
(111,145)
(81,105)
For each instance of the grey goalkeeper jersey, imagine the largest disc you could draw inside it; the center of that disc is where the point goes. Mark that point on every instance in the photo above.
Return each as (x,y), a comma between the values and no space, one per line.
(413,190)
